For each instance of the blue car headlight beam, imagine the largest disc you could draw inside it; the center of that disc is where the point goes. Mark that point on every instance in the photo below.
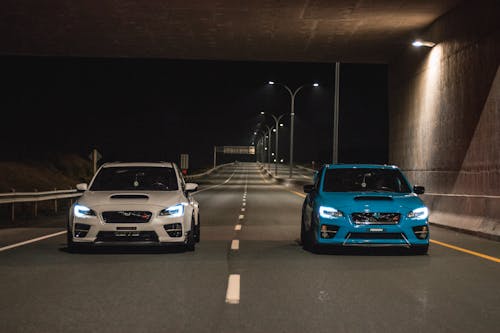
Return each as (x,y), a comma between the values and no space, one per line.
(173,211)
(329,212)
(419,213)
(82,211)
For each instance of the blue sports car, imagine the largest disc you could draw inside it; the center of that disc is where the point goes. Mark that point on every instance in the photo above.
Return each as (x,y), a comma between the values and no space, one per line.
(363,205)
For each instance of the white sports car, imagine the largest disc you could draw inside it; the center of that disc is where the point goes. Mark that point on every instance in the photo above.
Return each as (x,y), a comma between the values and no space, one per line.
(135,204)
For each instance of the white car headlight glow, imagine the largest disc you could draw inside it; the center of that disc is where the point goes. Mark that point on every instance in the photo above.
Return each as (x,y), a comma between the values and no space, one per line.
(173,211)
(329,212)
(83,211)
(419,213)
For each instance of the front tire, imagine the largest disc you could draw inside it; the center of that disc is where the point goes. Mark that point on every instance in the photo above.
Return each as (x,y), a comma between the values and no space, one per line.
(190,238)
(72,247)
(197,234)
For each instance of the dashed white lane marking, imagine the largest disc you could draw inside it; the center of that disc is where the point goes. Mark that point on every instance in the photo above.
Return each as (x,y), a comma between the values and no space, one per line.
(243,209)
(233,289)
(5,248)
(235,244)
(244,199)
(244,204)
(241,217)
(237,227)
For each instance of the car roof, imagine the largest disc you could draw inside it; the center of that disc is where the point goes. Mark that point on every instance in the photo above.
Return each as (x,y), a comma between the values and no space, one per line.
(139,164)
(361,166)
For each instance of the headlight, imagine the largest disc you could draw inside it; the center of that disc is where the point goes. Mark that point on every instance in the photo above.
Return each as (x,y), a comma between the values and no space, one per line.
(419,213)
(82,211)
(173,211)
(329,212)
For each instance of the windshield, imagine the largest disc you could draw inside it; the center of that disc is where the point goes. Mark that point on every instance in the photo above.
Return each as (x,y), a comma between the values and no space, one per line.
(365,180)
(135,179)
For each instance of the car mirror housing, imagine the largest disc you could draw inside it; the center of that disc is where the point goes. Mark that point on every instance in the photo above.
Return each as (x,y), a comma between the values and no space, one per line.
(418,189)
(191,187)
(81,187)
(308,188)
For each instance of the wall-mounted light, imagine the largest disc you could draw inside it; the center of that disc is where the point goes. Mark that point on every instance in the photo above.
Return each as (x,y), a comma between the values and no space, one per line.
(271,82)
(420,43)
(315,84)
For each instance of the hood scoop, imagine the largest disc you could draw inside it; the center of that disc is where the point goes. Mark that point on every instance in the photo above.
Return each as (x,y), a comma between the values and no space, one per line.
(129,196)
(372,198)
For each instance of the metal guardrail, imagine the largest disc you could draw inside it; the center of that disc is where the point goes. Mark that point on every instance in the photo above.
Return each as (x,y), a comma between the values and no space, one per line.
(17,197)
(35,197)
(206,173)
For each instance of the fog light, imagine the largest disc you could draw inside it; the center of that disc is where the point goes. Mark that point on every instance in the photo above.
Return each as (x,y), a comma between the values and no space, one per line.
(173,229)
(422,232)
(81,230)
(328,231)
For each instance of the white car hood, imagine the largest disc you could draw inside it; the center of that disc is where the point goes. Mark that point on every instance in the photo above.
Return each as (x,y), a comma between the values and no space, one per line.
(102,200)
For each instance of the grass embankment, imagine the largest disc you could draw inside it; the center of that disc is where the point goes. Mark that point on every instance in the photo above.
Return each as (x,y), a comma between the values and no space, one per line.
(61,172)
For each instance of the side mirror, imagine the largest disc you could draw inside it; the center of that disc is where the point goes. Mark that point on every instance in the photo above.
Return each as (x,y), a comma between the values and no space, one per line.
(419,189)
(308,188)
(81,187)
(315,176)
(191,187)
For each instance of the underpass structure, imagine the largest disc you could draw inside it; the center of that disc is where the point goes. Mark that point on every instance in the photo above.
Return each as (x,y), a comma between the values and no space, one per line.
(443,101)
(249,273)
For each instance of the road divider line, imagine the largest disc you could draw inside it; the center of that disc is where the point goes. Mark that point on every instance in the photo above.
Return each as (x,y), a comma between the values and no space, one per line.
(5,248)
(243,209)
(233,289)
(237,227)
(241,217)
(235,245)
(298,193)
(244,204)
(214,186)
(460,249)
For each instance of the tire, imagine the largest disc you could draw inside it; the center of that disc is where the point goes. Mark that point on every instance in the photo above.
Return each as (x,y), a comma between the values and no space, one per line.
(197,234)
(72,247)
(420,249)
(190,242)
(303,235)
(312,241)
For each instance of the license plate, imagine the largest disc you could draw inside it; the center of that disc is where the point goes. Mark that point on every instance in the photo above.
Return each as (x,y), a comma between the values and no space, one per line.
(127,233)
(376,229)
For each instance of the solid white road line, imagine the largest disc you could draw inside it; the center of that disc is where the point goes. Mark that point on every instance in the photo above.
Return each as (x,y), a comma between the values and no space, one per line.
(214,186)
(233,289)
(235,244)
(241,217)
(237,227)
(5,248)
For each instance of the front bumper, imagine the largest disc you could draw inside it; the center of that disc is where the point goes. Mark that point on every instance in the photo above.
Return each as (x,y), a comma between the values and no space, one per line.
(158,231)
(342,231)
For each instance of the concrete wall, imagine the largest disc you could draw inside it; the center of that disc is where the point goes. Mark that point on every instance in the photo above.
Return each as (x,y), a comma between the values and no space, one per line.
(444,110)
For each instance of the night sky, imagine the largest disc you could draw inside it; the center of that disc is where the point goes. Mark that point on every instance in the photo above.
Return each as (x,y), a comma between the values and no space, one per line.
(154,109)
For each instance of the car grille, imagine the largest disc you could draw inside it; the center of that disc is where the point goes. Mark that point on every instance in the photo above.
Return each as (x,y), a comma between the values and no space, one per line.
(126,217)
(132,236)
(376,218)
(375,235)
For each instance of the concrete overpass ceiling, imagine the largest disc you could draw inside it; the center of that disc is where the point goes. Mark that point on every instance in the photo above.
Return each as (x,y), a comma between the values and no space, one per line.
(292,30)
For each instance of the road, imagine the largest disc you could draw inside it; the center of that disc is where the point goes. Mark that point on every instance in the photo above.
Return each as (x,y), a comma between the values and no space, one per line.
(281,288)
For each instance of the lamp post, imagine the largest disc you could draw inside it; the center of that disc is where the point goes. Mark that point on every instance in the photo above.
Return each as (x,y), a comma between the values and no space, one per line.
(277,126)
(292,114)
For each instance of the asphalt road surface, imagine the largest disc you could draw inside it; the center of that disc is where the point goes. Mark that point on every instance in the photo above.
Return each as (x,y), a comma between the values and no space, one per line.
(248,274)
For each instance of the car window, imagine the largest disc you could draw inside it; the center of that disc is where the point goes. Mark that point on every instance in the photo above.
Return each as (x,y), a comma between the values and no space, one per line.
(135,179)
(365,180)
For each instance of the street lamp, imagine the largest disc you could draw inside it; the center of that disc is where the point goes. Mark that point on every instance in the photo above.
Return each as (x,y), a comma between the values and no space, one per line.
(276,129)
(292,114)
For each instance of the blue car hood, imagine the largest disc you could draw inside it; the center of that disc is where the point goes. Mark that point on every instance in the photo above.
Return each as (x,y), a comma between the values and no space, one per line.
(383,202)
